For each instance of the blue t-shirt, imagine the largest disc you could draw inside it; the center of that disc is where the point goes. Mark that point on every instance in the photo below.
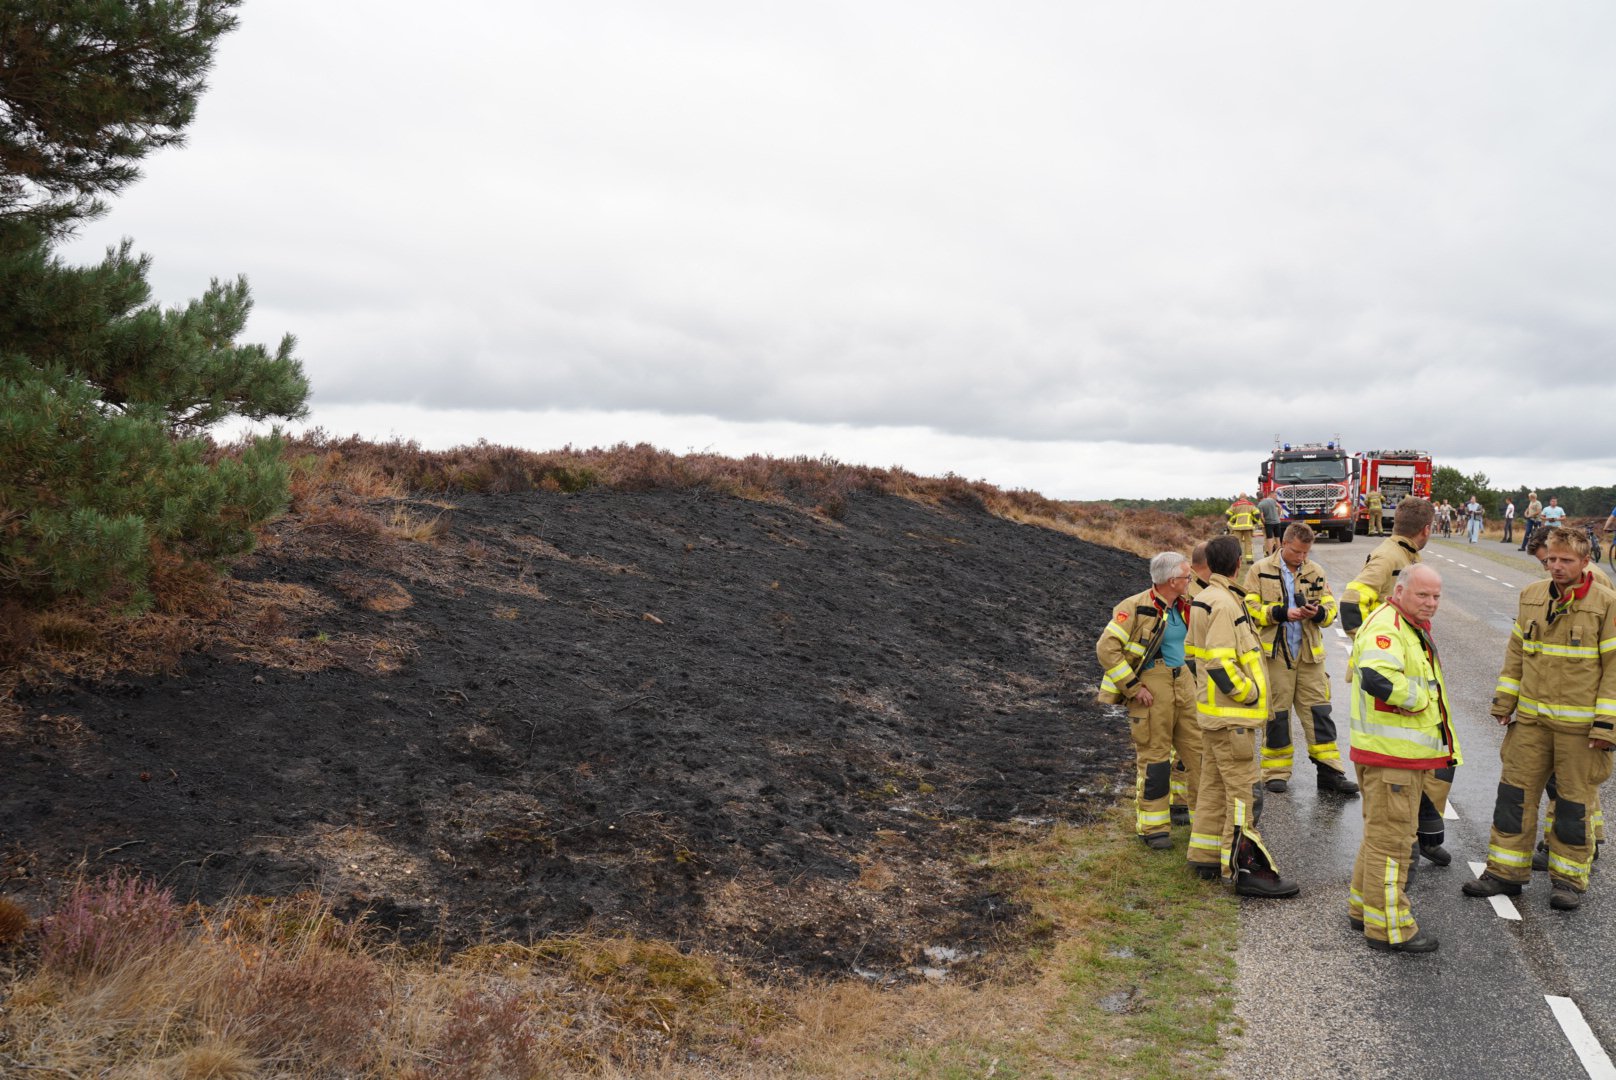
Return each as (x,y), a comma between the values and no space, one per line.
(1552,515)
(1172,646)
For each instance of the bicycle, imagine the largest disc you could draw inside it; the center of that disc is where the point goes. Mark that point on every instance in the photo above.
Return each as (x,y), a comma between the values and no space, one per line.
(1594,551)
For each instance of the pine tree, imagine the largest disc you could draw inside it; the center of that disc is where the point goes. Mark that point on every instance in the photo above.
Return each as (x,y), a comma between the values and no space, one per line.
(104,396)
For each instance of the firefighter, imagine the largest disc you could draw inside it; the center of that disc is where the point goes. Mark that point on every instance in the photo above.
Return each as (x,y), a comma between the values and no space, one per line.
(1596,815)
(1401,729)
(1141,651)
(1231,703)
(1411,531)
(1375,503)
(1243,518)
(1198,567)
(1557,696)
(1289,600)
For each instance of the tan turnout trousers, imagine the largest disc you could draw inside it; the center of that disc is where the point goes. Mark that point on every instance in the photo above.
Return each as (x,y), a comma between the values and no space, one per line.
(1391,810)
(1535,749)
(1300,688)
(1166,729)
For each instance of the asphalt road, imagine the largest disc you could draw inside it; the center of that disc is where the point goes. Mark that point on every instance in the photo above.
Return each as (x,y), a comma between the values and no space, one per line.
(1315,1001)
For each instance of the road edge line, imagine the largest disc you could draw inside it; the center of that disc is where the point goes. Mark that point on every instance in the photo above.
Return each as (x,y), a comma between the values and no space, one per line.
(1594,1060)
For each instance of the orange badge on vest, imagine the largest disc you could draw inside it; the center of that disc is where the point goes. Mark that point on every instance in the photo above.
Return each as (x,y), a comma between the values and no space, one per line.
(1383,641)
(1122,616)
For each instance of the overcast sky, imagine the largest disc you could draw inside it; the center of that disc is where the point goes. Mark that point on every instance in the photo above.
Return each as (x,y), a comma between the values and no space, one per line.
(1094,249)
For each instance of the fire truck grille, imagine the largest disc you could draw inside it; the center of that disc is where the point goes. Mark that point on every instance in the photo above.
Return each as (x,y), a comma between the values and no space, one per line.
(1311,499)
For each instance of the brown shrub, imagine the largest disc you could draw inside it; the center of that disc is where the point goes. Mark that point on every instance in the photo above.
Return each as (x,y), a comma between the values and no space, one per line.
(182,586)
(17,632)
(320,1002)
(487,1034)
(14,924)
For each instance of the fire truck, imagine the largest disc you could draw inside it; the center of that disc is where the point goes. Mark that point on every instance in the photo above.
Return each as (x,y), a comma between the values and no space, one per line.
(1313,482)
(1398,474)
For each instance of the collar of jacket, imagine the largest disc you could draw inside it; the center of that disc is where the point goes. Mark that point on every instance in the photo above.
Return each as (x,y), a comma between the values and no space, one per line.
(1181,605)
(1413,551)
(1580,592)
(1423,627)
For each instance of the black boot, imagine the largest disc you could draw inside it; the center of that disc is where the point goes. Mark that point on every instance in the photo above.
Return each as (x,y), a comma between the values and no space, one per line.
(1264,884)
(1330,780)
(1487,885)
(1564,897)
(1435,853)
(1419,943)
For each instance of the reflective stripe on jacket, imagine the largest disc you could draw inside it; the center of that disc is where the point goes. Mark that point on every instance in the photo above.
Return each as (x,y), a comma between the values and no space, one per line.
(1231,681)
(1564,668)
(1270,607)
(1374,582)
(1399,701)
(1131,637)
(1242,515)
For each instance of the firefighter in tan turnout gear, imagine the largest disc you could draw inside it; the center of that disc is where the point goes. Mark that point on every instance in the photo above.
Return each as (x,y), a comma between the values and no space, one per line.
(1412,523)
(1141,651)
(1401,730)
(1231,705)
(1557,694)
(1289,600)
(1244,518)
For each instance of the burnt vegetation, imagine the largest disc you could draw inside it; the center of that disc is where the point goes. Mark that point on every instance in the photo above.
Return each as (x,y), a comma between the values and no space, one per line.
(771,709)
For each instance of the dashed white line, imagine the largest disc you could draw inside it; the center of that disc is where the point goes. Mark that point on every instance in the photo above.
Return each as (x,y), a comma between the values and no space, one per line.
(1501,905)
(1589,1052)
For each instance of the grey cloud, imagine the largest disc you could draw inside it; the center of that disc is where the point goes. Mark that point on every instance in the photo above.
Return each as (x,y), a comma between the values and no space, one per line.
(1141,223)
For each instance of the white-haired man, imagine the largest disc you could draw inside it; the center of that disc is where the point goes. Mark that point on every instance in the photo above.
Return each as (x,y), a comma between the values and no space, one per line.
(1141,652)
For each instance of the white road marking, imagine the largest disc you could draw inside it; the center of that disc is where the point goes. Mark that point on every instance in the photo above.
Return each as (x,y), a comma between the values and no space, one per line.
(1501,905)
(1450,814)
(1589,1052)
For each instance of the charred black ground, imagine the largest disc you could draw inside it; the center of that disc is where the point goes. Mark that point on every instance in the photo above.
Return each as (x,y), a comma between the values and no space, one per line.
(733,724)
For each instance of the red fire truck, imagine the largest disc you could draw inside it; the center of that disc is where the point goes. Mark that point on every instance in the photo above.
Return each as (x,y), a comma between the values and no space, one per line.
(1313,482)
(1398,474)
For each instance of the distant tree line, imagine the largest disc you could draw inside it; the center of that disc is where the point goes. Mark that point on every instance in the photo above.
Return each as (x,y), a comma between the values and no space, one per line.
(1449,483)
(1187,507)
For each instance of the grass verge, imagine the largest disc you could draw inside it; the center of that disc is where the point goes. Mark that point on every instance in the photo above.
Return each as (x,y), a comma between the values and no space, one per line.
(1123,969)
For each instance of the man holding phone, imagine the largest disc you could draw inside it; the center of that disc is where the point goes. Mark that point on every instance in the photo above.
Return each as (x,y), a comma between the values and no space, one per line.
(1289,600)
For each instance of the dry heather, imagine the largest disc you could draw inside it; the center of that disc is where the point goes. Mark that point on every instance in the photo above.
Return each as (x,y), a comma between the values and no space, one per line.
(120,980)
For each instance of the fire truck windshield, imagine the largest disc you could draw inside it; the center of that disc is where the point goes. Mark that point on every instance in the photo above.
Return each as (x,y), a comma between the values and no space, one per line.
(1316,471)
